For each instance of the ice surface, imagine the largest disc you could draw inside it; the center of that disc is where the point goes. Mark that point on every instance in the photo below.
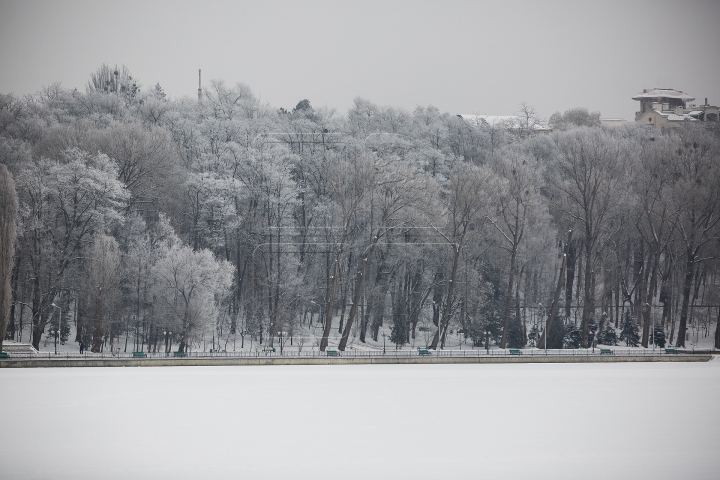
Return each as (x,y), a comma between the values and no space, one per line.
(554,421)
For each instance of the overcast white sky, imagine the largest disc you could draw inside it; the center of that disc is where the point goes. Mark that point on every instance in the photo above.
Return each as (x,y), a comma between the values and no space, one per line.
(461,56)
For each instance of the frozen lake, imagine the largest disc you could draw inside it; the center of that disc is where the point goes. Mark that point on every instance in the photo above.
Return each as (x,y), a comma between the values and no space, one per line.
(556,421)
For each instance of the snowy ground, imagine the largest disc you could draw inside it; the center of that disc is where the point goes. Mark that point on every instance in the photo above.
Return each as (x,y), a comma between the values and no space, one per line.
(554,421)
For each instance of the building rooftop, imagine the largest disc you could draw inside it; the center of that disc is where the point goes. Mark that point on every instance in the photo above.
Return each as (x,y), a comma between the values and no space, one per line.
(663,93)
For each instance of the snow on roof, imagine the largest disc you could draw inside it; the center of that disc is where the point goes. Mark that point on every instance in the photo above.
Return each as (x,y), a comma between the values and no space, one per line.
(678,118)
(663,93)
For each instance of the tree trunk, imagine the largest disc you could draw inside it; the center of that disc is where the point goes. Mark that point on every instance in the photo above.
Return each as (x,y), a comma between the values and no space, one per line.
(331,296)
(572,258)
(556,298)
(589,294)
(445,321)
(508,299)
(359,284)
(687,289)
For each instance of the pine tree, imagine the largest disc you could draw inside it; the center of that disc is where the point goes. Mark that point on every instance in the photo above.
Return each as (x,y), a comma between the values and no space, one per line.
(608,336)
(630,332)
(399,331)
(516,336)
(658,336)
(573,336)
(556,333)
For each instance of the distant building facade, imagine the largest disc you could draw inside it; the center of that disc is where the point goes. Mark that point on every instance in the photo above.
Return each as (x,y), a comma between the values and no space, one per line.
(663,108)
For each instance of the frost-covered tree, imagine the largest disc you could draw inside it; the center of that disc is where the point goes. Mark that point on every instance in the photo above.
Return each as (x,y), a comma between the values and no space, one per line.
(467,199)
(588,181)
(103,275)
(62,205)
(574,117)
(190,287)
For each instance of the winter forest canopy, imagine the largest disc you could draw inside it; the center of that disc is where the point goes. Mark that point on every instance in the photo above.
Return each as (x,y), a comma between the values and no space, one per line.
(226,221)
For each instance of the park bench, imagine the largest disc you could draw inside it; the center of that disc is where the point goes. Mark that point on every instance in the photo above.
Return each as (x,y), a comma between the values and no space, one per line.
(423,351)
(606,351)
(268,350)
(333,353)
(139,355)
(4,355)
(515,351)
(424,329)
(179,354)
(671,350)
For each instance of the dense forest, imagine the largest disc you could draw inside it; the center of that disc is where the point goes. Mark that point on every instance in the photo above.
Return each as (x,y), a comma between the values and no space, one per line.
(223,220)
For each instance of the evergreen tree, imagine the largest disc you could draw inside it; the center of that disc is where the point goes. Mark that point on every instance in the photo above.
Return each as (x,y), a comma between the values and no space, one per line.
(608,336)
(399,332)
(573,336)
(630,332)
(556,333)
(658,336)
(516,336)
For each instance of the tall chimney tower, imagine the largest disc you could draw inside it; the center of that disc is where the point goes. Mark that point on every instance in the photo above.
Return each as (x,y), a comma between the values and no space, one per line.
(199,85)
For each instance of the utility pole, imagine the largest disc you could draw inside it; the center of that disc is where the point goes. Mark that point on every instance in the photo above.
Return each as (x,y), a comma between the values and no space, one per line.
(199,85)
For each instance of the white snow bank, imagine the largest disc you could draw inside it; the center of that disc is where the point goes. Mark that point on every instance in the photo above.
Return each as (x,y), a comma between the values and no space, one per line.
(559,421)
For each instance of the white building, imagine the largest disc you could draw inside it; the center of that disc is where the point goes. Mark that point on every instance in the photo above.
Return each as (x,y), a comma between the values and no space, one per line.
(663,108)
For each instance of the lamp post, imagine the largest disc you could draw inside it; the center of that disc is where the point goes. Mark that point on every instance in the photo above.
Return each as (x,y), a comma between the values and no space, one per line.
(487,341)
(384,335)
(57,333)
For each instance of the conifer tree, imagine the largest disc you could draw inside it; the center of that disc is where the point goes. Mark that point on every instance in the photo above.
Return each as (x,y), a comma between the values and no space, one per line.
(516,336)
(573,336)
(608,336)
(630,332)
(658,336)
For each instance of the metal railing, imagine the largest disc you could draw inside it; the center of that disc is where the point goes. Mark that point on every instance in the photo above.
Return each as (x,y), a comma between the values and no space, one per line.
(404,353)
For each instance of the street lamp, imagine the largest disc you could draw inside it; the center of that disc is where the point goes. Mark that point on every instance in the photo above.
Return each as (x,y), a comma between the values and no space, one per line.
(487,340)
(384,335)
(57,333)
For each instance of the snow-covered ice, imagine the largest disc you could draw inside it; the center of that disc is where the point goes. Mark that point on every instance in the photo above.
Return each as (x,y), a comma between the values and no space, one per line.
(554,421)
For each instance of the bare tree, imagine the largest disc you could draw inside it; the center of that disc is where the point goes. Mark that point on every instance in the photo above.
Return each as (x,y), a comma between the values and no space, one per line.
(104,280)
(467,200)
(697,193)
(589,186)
(520,200)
